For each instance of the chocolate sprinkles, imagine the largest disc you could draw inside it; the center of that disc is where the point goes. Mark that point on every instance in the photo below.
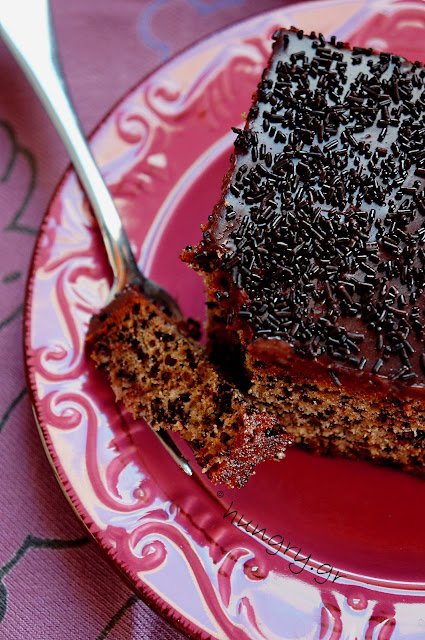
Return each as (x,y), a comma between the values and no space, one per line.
(324,225)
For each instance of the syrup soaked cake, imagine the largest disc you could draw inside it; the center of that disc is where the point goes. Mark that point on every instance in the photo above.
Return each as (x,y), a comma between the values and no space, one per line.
(314,256)
(162,374)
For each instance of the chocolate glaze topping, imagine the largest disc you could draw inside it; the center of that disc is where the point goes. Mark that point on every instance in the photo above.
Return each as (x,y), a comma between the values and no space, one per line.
(319,238)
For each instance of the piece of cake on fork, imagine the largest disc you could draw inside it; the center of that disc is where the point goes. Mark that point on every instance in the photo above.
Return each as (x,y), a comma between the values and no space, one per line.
(160,373)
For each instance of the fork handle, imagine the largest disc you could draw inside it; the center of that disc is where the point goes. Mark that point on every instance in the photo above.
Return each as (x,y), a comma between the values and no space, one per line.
(27,29)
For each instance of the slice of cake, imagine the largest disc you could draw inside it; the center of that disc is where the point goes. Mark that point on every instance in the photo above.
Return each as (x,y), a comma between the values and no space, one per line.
(162,374)
(314,256)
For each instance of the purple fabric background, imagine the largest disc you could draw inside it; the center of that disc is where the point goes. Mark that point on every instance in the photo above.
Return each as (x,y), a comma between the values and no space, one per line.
(107,46)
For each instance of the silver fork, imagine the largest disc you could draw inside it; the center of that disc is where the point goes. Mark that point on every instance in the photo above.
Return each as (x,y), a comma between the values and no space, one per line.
(26,27)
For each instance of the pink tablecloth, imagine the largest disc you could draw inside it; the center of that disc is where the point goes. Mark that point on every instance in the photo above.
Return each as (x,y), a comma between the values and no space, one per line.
(107,46)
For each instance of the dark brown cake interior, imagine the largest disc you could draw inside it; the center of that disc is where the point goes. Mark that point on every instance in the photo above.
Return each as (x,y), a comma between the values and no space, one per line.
(161,374)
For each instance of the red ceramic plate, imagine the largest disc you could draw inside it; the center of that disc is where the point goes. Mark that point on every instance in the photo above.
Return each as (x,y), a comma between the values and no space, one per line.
(311,547)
